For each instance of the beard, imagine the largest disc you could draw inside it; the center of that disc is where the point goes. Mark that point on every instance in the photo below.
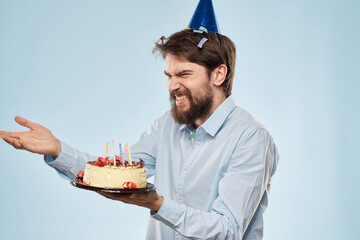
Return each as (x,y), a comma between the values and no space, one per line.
(199,106)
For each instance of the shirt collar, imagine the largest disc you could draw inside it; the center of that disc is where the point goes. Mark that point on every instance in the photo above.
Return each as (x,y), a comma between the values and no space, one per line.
(217,119)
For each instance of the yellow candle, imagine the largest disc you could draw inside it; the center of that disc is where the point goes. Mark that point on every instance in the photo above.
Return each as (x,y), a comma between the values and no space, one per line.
(107,149)
(129,156)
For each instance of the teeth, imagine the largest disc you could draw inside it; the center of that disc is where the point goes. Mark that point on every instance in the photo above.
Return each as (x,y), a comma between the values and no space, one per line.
(179,98)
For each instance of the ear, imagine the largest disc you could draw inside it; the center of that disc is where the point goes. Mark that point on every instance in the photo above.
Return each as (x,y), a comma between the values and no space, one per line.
(219,74)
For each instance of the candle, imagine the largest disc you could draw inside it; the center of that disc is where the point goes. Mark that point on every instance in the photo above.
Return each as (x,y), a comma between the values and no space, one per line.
(125,152)
(130,162)
(107,149)
(114,152)
(121,154)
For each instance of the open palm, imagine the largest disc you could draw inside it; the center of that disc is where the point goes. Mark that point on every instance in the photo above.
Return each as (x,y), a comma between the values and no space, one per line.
(38,139)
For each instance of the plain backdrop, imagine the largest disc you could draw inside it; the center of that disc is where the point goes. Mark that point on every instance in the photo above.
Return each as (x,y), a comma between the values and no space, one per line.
(85,70)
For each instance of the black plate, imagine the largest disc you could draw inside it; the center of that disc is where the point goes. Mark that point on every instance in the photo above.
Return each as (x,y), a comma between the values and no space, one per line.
(150,187)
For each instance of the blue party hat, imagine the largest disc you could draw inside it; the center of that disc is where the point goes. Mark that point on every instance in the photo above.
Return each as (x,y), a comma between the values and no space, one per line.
(204,16)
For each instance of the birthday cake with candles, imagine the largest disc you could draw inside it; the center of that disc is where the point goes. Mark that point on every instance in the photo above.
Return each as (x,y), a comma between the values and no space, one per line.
(118,172)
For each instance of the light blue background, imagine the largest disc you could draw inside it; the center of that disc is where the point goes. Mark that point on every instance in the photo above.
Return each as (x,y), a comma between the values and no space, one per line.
(85,70)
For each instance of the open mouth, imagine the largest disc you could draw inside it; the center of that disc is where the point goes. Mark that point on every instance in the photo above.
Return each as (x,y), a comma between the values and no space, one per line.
(180,100)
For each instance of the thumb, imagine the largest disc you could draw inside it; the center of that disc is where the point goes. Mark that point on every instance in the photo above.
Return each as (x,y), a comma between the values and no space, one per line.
(24,122)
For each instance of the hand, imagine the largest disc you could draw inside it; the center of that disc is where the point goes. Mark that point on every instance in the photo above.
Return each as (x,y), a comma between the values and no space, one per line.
(150,200)
(38,140)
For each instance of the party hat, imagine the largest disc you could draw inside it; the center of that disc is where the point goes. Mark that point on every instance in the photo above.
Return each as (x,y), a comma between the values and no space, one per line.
(204,16)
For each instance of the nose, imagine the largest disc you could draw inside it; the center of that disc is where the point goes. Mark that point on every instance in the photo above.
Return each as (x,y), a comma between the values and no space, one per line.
(173,84)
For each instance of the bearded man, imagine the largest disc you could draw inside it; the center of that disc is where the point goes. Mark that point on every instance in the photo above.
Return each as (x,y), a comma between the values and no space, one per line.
(213,162)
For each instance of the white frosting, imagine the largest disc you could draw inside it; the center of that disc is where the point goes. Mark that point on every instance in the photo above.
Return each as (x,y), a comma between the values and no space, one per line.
(111,176)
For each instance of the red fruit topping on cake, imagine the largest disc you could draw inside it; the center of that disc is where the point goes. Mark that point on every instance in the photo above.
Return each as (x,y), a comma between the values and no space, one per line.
(129,185)
(80,174)
(118,159)
(101,162)
(98,164)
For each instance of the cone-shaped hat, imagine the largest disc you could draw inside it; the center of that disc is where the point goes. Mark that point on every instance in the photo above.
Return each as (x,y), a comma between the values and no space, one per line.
(204,16)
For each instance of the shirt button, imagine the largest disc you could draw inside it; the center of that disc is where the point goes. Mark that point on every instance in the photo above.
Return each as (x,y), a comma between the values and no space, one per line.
(186,167)
(179,197)
(198,142)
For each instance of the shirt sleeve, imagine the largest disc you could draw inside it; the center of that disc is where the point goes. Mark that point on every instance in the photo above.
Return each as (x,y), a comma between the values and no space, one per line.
(69,162)
(240,193)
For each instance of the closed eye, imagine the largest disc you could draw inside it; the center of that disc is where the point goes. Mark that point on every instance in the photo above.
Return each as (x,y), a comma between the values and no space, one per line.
(183,73)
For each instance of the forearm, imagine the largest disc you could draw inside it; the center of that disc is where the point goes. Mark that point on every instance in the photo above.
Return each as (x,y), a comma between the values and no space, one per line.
(70,161)
(197,224)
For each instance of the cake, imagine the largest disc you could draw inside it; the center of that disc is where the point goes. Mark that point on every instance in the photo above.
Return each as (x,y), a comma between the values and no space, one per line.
(104,173)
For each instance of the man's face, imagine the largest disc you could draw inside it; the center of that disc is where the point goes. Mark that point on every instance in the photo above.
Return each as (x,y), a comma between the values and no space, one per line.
(191,95)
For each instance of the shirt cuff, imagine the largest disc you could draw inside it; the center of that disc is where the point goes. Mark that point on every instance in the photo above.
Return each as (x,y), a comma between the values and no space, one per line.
(48,159)
(64,155)
(169,212)
(67,163)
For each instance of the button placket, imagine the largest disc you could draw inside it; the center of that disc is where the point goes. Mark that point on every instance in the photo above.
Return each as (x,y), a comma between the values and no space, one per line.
(197,145)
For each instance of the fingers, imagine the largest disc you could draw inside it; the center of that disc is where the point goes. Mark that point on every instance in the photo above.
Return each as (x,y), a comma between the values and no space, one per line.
(123,197)
(26,123)
(116,196)
(23,122)
(15,142)
(10,134)
(13,138)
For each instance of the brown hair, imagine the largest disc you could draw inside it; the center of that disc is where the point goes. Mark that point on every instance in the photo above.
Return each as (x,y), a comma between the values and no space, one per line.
(217,50)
